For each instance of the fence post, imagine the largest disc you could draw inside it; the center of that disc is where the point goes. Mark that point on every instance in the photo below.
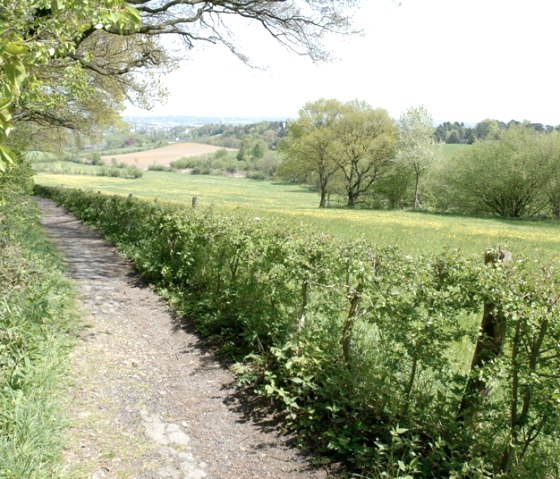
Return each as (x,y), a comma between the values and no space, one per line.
(489,346)
(194,201)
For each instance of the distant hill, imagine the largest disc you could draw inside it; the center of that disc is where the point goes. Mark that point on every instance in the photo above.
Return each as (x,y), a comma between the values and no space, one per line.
(179,120)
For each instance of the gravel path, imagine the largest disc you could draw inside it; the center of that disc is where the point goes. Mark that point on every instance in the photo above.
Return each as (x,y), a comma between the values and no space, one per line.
(149,400)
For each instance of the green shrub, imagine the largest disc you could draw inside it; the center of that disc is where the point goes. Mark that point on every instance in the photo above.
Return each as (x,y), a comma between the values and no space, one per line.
(155,167)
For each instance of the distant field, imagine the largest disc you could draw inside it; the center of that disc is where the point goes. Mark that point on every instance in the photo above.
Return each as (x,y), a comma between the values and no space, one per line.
(452,149)
(413,232)
(163,155)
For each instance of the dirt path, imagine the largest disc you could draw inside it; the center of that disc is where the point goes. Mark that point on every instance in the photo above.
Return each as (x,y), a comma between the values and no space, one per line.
(149,400)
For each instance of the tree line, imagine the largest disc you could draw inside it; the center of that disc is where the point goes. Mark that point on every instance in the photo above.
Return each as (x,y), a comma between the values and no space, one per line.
(488,129)
(358,156)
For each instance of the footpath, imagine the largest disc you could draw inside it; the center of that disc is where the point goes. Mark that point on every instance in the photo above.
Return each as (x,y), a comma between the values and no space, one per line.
(149,400)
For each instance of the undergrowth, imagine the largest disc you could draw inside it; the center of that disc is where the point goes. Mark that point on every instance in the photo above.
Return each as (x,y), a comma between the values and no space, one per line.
(36,316)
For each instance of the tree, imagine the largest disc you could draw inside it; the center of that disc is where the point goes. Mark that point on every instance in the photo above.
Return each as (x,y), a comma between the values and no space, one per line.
(394,186)
(311,145)
(252,148)
(552,189)
(39,40)
(488,129)
(366,139)
(61,60)
(416,146)
(506,177)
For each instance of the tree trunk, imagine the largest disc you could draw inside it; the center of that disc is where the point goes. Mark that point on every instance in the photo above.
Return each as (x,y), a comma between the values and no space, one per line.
(351,199)
(416,190)
(323,202)
(354,299)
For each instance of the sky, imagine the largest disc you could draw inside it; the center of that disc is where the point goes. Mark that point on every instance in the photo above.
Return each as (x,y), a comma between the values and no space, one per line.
(464,60)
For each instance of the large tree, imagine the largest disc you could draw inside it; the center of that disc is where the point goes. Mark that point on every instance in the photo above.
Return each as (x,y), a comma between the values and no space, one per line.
(417,148)
(311,146)
(61,59)
(367,139)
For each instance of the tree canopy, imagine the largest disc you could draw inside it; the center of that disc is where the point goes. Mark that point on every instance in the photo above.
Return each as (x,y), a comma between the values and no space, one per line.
(299,25)
(311,145)
(367,139)
(348,144)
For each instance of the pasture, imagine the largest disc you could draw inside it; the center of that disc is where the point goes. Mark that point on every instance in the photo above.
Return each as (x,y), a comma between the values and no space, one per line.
(162,156)
(414,232)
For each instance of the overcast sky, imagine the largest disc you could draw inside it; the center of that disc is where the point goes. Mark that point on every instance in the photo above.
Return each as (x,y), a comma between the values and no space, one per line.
(465,60)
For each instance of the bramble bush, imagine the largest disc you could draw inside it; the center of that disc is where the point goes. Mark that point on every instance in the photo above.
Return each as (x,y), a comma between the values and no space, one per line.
(366,352)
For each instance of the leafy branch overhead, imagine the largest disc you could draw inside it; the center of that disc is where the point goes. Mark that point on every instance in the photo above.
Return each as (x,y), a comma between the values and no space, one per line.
(38,38)
(71,64)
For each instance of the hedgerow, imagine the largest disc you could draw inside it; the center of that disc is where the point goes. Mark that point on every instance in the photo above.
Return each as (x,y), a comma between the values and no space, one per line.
(372,356)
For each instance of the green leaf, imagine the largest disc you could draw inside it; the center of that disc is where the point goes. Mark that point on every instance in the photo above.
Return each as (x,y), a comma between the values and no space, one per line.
(133,17)
(7,157)
(16,48)
(15,74)
(5,103)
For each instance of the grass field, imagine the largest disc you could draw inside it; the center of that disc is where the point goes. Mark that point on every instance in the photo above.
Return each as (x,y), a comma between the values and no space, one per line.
(414,232)
(162,156)
(452,149)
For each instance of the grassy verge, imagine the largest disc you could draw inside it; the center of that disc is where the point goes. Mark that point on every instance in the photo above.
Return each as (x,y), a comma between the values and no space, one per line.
(36,317)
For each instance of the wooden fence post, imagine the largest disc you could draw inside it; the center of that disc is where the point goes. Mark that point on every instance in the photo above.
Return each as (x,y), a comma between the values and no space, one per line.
(194,201)
(489,346)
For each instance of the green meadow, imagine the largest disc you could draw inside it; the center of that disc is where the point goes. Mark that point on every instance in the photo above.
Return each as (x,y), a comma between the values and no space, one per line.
(414,232)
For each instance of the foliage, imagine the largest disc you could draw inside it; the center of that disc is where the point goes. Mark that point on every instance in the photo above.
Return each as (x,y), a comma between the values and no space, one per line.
(231,135)
(458,133)
(506,177)
(311,146)
(36,313)
(364,350)
(367,139)
(224,162)
(38,47)
(453,133)
(127,171)
(348,145)
(115,170)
